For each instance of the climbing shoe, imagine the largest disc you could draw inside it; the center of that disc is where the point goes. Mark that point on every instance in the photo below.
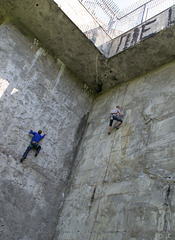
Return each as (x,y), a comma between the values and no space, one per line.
(22,159)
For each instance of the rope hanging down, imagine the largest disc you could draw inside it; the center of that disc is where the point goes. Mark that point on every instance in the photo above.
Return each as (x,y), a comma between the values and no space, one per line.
(108,162)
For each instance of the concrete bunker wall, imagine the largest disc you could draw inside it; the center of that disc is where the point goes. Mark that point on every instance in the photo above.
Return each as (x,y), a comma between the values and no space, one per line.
(38,92)
(127,175)
(123,184)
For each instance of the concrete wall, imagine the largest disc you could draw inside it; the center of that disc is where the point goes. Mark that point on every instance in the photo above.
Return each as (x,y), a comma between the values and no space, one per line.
(38,92)
(123,183)
(149,46)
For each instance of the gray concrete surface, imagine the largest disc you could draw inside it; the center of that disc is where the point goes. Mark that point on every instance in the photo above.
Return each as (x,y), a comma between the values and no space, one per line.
(85,184)
(36,91)
(123,184)
(102,69)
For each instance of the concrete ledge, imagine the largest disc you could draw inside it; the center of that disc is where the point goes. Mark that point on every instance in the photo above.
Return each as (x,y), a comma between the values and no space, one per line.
(132,54)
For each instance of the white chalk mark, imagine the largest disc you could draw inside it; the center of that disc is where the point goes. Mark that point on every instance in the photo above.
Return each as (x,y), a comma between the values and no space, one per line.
(37,55)
(59,76)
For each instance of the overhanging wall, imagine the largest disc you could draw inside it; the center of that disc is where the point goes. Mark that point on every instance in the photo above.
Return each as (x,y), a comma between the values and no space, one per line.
(148,46)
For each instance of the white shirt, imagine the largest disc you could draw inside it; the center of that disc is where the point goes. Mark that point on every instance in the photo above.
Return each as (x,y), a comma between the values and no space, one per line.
(115,111)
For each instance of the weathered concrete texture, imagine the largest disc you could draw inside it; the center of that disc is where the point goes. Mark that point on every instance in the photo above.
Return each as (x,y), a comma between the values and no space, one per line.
(36,91)
(149,46)
(122,186)
(123,183)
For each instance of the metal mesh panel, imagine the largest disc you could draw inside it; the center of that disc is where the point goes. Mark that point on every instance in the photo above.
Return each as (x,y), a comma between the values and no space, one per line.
(115,22)
(102,10)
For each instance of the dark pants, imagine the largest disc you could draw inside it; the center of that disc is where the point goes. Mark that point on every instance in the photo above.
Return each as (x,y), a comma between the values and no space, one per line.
(112,118)
(32,145)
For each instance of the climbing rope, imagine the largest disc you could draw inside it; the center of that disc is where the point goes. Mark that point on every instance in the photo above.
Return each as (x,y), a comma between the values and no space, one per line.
(108,162)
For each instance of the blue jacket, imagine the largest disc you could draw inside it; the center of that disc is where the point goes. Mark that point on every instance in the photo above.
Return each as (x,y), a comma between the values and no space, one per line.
(37,137)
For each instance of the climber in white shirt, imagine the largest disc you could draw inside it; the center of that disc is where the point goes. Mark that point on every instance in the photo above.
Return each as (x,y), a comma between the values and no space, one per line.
(114,115)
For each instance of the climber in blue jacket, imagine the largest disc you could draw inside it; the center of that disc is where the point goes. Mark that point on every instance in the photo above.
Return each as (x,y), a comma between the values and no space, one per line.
(34,144)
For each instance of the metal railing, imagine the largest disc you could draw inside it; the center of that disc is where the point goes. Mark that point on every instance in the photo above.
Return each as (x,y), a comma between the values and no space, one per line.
(115,22)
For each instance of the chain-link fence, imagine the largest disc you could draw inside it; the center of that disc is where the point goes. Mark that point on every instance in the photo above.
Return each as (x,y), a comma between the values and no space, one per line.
(115,22)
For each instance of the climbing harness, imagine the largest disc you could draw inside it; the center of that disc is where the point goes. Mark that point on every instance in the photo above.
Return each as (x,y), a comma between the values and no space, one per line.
(34,144)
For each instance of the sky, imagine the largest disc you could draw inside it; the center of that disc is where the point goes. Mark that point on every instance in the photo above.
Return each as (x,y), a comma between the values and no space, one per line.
(124,3)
